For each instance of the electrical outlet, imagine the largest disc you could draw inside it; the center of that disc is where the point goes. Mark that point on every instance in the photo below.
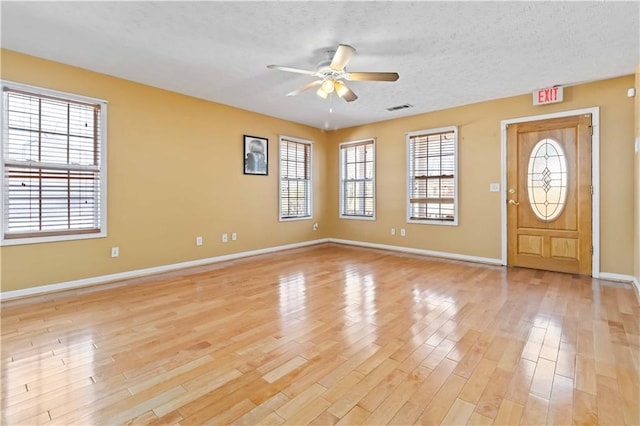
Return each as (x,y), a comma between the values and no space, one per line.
(225,238)
(393,231)
(198,241)
(403,233)
(115,251)
(315,226)
(234,236)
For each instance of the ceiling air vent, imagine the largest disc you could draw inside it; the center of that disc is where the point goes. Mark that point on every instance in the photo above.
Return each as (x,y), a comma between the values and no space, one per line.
(395,108)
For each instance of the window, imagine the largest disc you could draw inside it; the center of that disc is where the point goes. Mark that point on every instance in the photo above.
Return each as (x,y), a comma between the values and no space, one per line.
(295,179)
(547,179)
(53,167)
(357,179)
(432,176)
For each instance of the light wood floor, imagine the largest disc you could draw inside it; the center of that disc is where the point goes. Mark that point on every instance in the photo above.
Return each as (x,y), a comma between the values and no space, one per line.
(327,335)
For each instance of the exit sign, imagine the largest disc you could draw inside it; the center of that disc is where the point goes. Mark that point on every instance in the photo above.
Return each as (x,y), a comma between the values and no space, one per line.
(548,95)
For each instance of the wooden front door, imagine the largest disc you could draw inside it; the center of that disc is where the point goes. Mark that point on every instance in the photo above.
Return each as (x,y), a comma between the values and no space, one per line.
(549,194)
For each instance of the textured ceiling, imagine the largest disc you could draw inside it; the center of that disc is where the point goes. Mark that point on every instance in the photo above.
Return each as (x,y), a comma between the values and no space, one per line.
(447,53)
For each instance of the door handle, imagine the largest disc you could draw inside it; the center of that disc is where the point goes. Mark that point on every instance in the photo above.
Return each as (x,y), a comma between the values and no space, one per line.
(514,203)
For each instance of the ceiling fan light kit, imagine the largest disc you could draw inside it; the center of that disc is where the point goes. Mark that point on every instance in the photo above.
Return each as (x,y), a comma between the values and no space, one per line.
(328,85)
(331,72)
(323,94)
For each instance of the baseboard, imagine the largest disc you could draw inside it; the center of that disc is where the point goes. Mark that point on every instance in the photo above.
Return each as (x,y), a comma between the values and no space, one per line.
(454,256)
(616,277)
(7,295)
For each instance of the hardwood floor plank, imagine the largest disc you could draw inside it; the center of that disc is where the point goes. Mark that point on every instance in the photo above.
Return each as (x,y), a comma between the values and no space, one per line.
(179,375)
(356,416)
(585,408)
(256,414)
(543,378)
(121,413)
(509,413)
(309,412)
(325,334)
(385,411)
(415,358)
(196,389)
(566,362)
(585,374)
(439,406)
(493,394)
(284,369)
(535,410)
(474,387)
(412,409)
(518,388)
(470,361)
(478,419)
(296,404)
(217,417)
(349,400)
(628,390)
(511,355)
(459,413)
(380,392)
(561,402)
(609,404)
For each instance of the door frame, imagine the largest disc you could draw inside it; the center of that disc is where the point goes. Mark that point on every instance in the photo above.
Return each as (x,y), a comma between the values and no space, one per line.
(595,177)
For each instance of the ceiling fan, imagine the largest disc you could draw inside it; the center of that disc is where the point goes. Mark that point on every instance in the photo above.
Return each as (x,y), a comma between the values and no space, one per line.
(331,72)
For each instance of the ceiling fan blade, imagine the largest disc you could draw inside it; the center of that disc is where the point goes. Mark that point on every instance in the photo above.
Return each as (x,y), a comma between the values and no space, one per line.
(296,70)
(344,92)
(305,88)
(342,57)
(372,76)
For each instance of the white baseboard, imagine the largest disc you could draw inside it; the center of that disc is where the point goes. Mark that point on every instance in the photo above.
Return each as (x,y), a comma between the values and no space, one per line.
(148,271)
(7,295)
(615,277)
(411,250)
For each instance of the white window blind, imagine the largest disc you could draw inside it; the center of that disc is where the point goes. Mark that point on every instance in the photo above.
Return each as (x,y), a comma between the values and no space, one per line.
(295,179)
(357,179)
(52,164)
(432,176)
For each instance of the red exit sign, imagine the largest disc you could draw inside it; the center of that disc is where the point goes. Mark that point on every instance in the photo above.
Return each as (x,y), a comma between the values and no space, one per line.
(548,95)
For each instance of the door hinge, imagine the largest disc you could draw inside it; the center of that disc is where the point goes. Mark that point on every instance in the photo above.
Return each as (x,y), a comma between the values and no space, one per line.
(591,130)
(591,187)
(592,250)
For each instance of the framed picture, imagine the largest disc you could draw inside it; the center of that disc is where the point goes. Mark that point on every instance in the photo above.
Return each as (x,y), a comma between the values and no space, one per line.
(256,155)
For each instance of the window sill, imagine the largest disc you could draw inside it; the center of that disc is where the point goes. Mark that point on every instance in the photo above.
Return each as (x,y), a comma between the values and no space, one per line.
(50,239)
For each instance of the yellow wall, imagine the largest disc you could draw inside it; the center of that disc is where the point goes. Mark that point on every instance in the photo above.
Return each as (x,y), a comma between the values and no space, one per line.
(479,162)
(175,172)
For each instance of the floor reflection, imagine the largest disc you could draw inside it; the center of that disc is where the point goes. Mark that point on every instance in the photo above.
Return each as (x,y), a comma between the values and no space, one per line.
(359,297)
(292,291)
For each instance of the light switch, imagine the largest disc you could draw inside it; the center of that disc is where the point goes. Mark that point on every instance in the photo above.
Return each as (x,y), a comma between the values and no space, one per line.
(494,187)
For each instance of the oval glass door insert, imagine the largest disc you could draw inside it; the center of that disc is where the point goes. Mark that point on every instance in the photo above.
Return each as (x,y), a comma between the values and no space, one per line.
(547,179)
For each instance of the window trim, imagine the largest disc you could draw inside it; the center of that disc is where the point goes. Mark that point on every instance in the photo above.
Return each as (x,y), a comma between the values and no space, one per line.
(63,235)
(408,136)
(341,179)
(281,139)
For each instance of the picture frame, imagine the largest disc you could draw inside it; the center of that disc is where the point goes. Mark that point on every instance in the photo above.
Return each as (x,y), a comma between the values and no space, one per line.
(256,155)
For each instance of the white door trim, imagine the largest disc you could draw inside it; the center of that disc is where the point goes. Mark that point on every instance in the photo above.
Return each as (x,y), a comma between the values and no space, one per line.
(595,177)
